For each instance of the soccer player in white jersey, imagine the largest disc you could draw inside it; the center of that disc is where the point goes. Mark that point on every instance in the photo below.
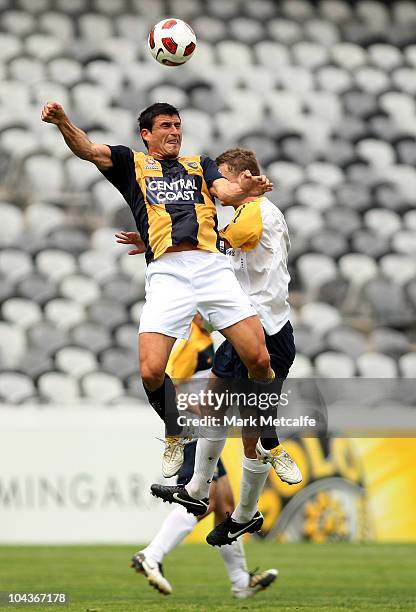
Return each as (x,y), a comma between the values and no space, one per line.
(257,242)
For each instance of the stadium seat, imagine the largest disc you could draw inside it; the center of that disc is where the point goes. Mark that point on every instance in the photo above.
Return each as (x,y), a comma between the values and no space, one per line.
(271,54)
(110,7)
(75,361)
(64,313)
(46,338)
(329,242)
(234,53)
(310,55)
(65,70)
(320,317)
(12,344)
(15,387)
(404,79)
(323,32)
(10,46)
(301,367)
(325,173)
(35,362)
(39,166)
(337,11)
(404,177)
(315,195)
(376,152)
(21,311)
(407,365)
(135,267)
(26,69)
(262,9)
(404,12)
(126,336)
(342,220)
(388,303)
(326,105)
(43,46)
(75,6)
(375,14)
(42,218)
(398,268)
(376,365)
(71,239)
(212,30)
(136,311)
(348,55)
(101,387)
(6,288)
(389,341)
(58,388)
(303,220)
(81,289)
(91,336)
(11,223)
(333,364)
(246,30)
(108,313)
(98,264)
(381,221)
(58,24)
(346,340)
(308,342)
(284,31)
(95,27)
(334,79)
(152,10)
(80,175)
(358,268)
(369,243)
(15,264)
(385,56)
(55,264)
(300,10)
(121,289)
(404,242)
(122,363)
(353,195)
(18,23)
(315,269)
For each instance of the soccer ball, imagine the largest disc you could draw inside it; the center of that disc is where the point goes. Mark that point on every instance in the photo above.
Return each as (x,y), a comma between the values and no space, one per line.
(172,42)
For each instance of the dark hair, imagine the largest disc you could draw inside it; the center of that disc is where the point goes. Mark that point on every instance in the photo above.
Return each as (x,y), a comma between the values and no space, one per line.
(149,114)
(239,160)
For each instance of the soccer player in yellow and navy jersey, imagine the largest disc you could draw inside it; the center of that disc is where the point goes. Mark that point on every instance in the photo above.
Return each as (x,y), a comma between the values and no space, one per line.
(171,198)
(194,357)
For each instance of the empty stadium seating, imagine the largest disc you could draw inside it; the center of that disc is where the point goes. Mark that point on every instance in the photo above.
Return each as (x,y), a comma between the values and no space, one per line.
(323,91)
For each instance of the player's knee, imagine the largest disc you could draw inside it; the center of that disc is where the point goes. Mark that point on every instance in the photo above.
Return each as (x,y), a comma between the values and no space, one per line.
(152,374)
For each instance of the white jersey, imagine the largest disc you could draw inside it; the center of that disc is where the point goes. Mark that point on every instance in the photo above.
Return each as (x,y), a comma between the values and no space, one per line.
(260,243)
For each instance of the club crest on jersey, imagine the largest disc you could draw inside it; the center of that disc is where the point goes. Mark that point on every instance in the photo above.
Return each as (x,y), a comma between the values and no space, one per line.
(151,164)
(193,165)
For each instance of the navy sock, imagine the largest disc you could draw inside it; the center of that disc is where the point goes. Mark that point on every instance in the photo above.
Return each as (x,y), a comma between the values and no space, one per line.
(269,443)
(163,401)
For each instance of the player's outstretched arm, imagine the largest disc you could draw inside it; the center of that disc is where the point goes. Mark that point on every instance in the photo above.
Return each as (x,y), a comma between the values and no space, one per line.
(131,238)
(247,186)
(75,138)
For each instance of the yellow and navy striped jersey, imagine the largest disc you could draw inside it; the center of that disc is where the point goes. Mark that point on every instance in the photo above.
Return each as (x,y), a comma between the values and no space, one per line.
(169,199)
(192,355)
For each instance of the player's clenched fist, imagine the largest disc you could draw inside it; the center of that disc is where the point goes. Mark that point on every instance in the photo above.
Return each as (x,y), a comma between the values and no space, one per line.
(254,185)
(53,112)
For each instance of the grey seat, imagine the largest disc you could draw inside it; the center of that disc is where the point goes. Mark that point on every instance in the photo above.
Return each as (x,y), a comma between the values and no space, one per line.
(38,288)
(6,288)
(388,303)
(308,342)
(354,196)
(15,387)
(359,103)
(35,362)
(390,342)
(46,338)
(73,240)
(342,220)
(92,336)
(108,313)
(369,243)
(346,340)
(329,242)
(101,387)
(120,362)
(334,292)
(121,289)
(126,336)
(134,386)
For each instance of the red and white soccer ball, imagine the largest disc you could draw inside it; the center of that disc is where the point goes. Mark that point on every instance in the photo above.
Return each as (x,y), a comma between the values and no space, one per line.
(172,42)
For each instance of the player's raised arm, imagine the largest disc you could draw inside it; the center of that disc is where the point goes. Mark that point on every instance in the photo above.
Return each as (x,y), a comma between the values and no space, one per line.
(248,185)
(75,138)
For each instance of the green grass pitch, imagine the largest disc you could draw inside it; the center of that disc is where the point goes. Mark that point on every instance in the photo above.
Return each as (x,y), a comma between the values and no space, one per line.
(312,577)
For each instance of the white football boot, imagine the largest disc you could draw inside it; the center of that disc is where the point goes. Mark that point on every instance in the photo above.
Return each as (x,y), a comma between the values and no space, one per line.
(153,572)
(282,463)
(173,455)
(258,582)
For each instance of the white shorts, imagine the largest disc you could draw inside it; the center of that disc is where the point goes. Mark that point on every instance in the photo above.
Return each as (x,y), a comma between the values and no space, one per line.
(178,285)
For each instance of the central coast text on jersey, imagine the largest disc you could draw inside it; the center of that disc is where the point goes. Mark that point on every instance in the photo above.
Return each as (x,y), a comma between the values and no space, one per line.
(186,190)
(170,198)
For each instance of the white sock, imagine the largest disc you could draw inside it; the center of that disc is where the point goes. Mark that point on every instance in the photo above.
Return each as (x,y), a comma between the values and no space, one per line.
(173,530)
(235,562)
(254,477)
(206,457)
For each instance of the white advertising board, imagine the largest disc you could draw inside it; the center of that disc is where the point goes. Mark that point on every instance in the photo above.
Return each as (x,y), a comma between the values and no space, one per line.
(79,474)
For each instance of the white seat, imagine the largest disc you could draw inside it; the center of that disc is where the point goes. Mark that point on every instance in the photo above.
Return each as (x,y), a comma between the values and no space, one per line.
(295,78)
(43,46)
(197,122)
(374,14)
(258,78)
(261,9)
(285,106)
(404,78)
(102,239)
(285,31)
(398,268)
(11,223)
(410,55)
(80,174)
(407,365)
(75,361)
(326,105)
(231,126)
(409,219)
(303,220)
(143,72)
(12,344)
(332,364)
(14,96)
(325,173)
(224,10)
(59,388)
(315,269)
(38,167)
(101,387)
(15,387)
(95,27)
(335,10)
(97,264)
(75,6)
(324,32)
(131,26)
(15,264)
(105,73)
(397,103)
(371,79)
(22,312)
(65,70)
(381,221)
(301,367)
(376,365)
(333,78)
(176,96)
(320,317)
(315,195)
(404,177)
(64,313)
(135,267)
(385,56)
(246,30)
(404,242)
(204,56)
(49,90)
(358,268)
(81,289)
(210,29)
(27,69)
(110,7)
(58,24)
(10,46)
(310,55)
(271,54)
(136,311)
(90,99)
(55,264)
(297,9)
(286,174)
(41,218)
(188,9)
(404,12)
(245,101)
(35,6)
(348,55)
(19,23)
(378,153)
(118,48)
(234,53)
